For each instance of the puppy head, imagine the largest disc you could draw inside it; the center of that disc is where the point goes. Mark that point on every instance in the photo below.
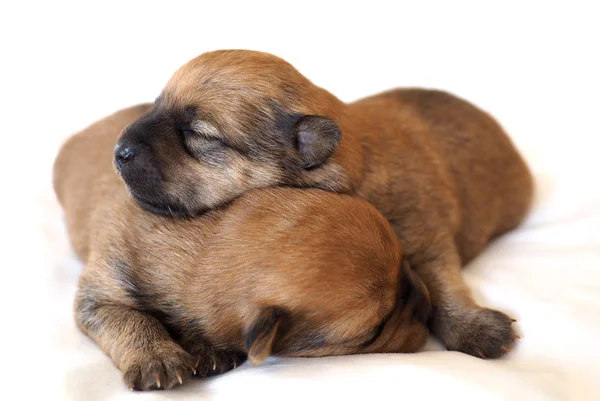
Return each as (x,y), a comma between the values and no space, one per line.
(372,324)
(321,273)
(228,122)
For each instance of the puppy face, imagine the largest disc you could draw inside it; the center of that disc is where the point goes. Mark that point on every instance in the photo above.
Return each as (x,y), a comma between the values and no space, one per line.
(228,122)
(386,320)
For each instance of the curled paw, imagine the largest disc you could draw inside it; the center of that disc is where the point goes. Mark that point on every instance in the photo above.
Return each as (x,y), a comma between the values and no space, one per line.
(212,362)
(159,368)
(484,333)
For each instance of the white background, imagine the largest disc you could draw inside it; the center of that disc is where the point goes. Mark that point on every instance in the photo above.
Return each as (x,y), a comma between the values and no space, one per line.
(534,65)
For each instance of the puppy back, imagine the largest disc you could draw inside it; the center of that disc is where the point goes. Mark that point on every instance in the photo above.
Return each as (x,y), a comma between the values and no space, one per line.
(83,173)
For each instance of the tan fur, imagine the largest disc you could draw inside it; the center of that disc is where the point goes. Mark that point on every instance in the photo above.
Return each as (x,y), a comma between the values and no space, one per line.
(442,171)
(279,271)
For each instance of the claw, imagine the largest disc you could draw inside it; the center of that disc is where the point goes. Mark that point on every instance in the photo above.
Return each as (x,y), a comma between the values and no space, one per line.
(194,370)
(513,320)
(234,364)
(179,378)
(214,363)
(517,337)
(480,354)
(158,381)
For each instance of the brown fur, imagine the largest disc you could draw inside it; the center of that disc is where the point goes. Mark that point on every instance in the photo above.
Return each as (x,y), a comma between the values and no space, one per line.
(278,271)
(442,171)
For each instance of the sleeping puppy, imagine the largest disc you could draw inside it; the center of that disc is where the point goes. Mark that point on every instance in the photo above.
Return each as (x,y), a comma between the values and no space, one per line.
(442,171)
(278,271)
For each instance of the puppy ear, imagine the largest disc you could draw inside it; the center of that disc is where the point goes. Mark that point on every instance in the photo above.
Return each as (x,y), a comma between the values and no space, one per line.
(316,139)
(263,334)
(414,293)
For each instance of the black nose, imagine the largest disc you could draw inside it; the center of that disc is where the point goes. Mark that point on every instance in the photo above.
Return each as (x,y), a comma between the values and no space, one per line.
(123,154)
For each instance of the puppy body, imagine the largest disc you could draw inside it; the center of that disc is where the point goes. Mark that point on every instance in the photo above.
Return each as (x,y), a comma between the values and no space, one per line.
(449,180)
(442,171)
(278,271)
(445,163)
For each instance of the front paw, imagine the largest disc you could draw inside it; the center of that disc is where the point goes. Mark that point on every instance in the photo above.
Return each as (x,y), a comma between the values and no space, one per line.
(212,362)
(481,332)
(160,368)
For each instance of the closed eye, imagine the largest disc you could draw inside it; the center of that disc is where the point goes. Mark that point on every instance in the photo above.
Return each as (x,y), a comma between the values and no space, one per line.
(378,330)
(191,135)
(376,333)
(188,133)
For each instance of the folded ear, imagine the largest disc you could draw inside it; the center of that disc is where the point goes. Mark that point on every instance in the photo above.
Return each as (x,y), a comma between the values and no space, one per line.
(317,137)
(263,334)
(415,293)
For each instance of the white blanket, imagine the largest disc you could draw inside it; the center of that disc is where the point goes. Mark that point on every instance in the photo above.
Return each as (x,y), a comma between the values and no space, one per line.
(532,67)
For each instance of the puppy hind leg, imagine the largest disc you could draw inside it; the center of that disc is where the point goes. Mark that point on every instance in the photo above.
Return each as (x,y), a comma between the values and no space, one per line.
(138,344)
(457,320)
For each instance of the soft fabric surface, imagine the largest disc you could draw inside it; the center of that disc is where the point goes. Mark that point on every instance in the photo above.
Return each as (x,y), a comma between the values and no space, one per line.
(534,66)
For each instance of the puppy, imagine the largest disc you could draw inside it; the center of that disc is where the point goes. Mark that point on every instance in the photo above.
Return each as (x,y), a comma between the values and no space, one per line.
(442,171)
(278,271)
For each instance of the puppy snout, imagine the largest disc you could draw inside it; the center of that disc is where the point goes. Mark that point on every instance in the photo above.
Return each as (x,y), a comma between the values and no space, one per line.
(123,154)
